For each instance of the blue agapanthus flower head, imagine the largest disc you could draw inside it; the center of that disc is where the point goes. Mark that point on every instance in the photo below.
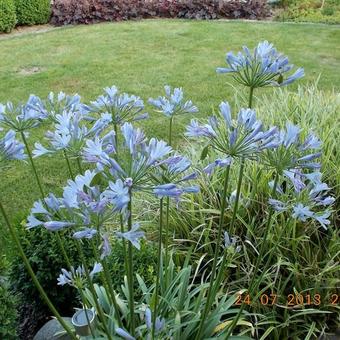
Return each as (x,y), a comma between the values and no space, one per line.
(138,157)
(76,277)
(10,148)
(293,150)
(70,134)
(121,106)
(173,103)
(82,207)
(55,104)
(240,138)
(19,118)
(305,197)
(265,66)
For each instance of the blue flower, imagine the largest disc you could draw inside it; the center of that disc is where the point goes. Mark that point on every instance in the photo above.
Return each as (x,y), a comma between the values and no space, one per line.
(173,104)
(124,334)
(134,235)
(241,138)
(292,151)
(20,118)
(76,277)
(122,107)
(10,148)
(87,233)
(159,322)
(71,133)
(55,104)
(304,197)
(264,67)
(118,194)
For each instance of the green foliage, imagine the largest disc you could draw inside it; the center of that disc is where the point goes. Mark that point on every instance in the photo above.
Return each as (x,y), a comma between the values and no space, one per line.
(145,261)
(32,12)
(8,315)
(327,11)
(304,260)
(182,298)
(8,17)
(45,257)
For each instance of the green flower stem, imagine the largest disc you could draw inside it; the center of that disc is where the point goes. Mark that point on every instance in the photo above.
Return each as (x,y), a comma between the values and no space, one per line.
(60,243)
(68,164)
(92,289)
(85,309)
(130,273)
(258,261)
(79,165)
(33,165)
(232,223)
(218,245)
(159,267)
(166,241)
(170,130)
(16,240)
(251,95)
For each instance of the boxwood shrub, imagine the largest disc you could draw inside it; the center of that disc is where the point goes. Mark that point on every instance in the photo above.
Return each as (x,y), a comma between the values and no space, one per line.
(32,12)
(7,16)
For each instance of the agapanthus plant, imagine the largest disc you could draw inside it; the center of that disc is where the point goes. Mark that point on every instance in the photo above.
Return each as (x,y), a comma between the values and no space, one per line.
(240,138)
(71,132)
(55,104)
(121,106)
(293,151)
(173,104)
(11,148)
(304,197)
(265,66)
(20,118)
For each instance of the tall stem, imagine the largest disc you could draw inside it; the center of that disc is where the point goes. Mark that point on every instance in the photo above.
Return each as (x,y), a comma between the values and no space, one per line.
(28,150)
(170,130)
(159,267)
(258,261)
(79,165)
(130,273)
(218,245)
(233,219)
(251,95)
(16,240)
(68,164)
(166,241)
(32,164)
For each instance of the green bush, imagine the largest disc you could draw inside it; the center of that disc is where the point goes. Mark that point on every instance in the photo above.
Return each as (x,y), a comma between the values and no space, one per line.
(32,12)
(7,16)
(44,254)
(8,315)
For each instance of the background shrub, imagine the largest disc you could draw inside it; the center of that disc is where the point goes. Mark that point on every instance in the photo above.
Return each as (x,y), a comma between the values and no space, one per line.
(8,315)
(89,11)
(32,12)
(7,16)
(43,252)
(46,260)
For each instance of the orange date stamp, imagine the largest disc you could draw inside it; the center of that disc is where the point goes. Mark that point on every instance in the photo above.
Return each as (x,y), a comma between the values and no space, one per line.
(290,300)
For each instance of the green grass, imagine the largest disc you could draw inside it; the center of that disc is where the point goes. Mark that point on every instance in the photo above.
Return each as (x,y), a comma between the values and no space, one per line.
(139,58)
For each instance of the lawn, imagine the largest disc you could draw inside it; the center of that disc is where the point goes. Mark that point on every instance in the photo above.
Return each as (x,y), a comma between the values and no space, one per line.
(140,58)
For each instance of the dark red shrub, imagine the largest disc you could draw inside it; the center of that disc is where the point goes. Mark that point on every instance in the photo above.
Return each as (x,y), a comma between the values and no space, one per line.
(90,11)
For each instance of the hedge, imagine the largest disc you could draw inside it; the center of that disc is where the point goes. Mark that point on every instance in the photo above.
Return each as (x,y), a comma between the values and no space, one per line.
(7,16)
(32,12)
